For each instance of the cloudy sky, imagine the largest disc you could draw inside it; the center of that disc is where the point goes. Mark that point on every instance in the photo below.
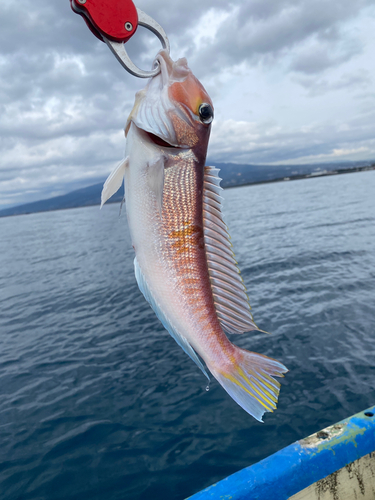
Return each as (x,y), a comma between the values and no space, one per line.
(293,81)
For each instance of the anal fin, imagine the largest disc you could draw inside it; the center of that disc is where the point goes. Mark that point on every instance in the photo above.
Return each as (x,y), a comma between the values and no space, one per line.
(178,337)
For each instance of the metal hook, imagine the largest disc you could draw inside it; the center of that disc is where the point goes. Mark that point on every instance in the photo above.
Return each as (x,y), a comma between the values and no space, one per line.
(119,51)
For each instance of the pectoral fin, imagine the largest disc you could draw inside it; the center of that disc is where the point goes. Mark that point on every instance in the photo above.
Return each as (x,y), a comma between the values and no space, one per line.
(114,181)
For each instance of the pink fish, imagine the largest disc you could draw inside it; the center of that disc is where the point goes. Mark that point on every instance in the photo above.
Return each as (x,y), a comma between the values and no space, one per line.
(184,264)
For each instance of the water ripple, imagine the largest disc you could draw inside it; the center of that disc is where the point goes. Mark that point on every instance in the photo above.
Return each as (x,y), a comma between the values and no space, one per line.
(97,401)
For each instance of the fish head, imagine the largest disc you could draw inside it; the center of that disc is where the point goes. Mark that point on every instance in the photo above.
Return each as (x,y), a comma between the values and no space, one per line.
(174,109)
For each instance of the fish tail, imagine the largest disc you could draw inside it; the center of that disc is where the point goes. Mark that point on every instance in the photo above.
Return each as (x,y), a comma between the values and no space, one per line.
(249,380)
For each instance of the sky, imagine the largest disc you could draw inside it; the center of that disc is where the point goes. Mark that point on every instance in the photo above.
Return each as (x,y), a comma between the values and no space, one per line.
(292,81)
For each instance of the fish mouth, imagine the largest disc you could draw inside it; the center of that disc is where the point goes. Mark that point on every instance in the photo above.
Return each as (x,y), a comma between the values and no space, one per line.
(155,113)
(153,138)
(159,141)
(165,140)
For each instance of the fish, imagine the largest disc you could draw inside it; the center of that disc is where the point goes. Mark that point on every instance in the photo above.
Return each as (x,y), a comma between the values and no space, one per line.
(184,261)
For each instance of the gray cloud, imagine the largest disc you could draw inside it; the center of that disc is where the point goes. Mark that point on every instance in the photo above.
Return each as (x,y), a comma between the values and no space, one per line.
(267,142)
(64,99)
(319,86)
(268,30)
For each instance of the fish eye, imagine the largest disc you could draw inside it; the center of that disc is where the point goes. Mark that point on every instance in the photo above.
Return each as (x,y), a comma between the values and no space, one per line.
(206,113)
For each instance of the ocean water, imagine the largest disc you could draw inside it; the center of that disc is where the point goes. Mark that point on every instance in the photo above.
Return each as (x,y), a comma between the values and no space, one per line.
(97,400)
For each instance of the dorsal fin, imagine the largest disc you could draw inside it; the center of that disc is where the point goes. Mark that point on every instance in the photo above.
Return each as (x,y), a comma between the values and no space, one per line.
(231,302)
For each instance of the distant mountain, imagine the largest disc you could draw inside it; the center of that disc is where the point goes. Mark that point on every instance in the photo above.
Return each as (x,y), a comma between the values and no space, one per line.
(233,174)
(79,198)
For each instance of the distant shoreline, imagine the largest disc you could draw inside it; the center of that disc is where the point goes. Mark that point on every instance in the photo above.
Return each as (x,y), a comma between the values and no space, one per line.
(324,173)
(296,177)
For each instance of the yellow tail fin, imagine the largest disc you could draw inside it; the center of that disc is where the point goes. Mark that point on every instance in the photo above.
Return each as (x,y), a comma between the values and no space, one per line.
(249,381)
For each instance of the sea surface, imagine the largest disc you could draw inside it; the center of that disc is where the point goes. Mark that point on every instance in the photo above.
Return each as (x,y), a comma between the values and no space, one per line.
(97,401)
